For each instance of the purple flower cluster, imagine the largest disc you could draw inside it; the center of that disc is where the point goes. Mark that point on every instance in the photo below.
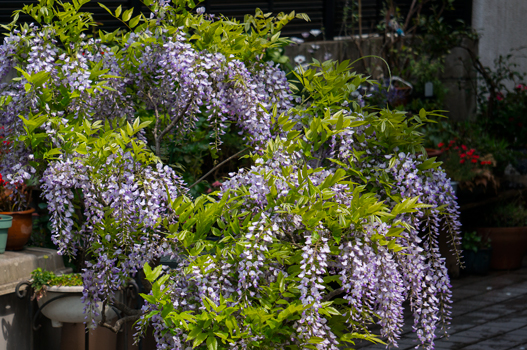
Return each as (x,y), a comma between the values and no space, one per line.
(121,204)
(313,269)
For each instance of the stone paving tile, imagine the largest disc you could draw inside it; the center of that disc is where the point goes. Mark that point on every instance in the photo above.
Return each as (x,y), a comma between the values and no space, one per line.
(495,343)
(489,313)
(520,334)
(519,347)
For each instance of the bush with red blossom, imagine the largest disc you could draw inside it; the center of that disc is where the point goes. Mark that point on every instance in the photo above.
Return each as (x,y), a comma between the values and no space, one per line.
(464,165)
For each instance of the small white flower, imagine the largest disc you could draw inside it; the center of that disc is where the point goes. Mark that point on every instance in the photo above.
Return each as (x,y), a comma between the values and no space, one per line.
(315,32)
(297,40)
(300,59)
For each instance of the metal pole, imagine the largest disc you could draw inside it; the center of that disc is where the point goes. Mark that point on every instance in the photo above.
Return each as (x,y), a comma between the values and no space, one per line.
(87,339)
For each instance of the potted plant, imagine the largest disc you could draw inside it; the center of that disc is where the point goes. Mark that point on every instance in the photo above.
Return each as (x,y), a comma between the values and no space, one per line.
(60,299)
(507,232)
(5,223)
(15,201)
(477,253)
(50,291)
(466,167)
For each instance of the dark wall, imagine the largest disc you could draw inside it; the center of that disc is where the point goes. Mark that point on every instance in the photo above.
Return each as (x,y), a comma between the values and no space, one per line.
(326,14)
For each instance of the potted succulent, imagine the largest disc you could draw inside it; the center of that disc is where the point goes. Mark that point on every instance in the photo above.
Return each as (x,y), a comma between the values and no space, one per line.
(15,201)
(50,291)
(60,299)
(477,253)
(508,234)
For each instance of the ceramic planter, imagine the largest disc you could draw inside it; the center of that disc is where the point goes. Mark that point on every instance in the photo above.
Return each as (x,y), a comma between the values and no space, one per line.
(5,223)
(69,308)
(509,245)
(20,231)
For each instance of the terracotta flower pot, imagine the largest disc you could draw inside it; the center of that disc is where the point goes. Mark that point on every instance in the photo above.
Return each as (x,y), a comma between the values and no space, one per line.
(509,245)
(432,152)
(20,231)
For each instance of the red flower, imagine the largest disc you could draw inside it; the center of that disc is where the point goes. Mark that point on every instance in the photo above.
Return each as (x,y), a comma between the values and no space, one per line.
(471,152)
(464,147)
(462,161)
(441,144)
(462,155)
(474,160)
(475,157)
(499,96)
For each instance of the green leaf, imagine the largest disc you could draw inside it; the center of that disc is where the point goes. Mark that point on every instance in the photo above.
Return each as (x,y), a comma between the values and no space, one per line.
(127,15)
(199,339)
(134,21)
(212,343)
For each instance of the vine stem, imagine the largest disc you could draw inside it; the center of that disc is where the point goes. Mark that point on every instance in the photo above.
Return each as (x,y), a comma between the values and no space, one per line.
(217,166)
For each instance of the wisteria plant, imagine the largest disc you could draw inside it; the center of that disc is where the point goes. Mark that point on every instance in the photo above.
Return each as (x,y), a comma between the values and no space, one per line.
(332,229)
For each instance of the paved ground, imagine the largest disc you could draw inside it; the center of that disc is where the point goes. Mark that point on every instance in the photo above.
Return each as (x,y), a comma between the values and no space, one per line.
(489,312)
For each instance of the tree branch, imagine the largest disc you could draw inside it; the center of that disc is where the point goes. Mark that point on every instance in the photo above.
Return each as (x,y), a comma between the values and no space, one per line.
(410,14)
(125,309)
(217,166)
(335,293)
(171,126)
(120,322)
(156,139)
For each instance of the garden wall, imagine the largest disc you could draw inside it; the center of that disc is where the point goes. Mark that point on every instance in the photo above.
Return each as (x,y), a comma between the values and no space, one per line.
(502,28)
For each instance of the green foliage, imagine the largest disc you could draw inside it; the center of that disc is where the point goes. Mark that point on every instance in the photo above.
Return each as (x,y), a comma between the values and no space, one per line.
(328,85)
(510,214)
(40,279)
(503,109)
(473,241)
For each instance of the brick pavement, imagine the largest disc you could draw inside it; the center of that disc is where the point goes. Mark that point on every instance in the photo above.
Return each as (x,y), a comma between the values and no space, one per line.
(488,312)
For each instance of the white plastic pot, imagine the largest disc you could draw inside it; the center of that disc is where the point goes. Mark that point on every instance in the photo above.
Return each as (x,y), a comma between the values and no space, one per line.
(69,308)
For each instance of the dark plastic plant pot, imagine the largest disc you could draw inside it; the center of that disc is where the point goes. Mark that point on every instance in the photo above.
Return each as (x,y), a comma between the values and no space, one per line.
(509,245)
(5,223)
(477,263)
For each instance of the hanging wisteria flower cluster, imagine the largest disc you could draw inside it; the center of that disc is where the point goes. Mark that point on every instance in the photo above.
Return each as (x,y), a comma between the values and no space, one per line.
(331,230)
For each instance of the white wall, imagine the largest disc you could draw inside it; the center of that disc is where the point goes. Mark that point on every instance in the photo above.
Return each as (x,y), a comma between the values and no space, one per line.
(502,25)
